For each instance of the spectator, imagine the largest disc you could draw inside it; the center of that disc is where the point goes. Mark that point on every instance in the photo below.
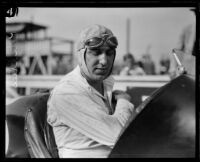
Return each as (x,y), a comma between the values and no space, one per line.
(164,65)
(148,64)
(131,67)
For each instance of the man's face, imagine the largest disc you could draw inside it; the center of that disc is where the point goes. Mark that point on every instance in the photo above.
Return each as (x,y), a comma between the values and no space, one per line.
(99,62)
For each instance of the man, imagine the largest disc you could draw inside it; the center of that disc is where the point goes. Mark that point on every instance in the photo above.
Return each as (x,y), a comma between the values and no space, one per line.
(84,121)
(148,64)
(131,67)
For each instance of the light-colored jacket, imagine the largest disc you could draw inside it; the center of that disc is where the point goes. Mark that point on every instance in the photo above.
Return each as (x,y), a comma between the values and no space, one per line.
(84,122)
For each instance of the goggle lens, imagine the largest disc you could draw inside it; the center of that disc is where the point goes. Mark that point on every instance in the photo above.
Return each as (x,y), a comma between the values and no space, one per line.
(93,41)
(97,42)
(113,41)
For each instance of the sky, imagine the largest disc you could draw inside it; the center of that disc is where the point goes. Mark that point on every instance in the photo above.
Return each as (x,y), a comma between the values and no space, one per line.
(156,30)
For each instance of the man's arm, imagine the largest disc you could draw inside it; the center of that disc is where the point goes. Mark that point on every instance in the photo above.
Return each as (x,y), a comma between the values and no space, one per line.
(81,113)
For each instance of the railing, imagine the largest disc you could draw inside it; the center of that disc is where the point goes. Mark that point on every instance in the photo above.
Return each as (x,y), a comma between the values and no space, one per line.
(142,85)
(39,46)
(30,48)
(49,81)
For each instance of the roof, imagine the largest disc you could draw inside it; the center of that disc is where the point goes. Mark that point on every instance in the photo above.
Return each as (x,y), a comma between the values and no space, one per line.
(23,27)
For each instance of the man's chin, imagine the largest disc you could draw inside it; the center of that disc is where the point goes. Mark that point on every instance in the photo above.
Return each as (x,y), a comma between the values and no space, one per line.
(99,77)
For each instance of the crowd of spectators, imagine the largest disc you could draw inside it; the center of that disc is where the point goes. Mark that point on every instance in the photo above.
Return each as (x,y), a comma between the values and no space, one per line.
(129,66)
(143,66)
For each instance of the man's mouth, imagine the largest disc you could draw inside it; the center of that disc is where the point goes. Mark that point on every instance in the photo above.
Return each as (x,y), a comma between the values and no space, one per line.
(101,70)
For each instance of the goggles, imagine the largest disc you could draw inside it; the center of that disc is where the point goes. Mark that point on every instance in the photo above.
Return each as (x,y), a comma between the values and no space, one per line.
(96,42)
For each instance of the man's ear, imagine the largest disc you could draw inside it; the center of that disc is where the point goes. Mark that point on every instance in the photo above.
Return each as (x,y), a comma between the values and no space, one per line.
(80,56)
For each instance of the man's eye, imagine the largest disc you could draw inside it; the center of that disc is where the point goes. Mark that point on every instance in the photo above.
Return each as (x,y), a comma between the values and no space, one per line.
(96,52)
(110,52)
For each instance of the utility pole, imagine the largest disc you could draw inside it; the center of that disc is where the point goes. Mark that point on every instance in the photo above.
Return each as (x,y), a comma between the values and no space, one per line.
(128,35)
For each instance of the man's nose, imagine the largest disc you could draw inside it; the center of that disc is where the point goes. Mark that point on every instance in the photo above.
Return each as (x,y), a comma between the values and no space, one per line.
(103,59)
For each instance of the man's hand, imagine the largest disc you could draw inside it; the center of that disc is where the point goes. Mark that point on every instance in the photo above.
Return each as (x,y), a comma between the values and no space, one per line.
(124,109)
(117,94)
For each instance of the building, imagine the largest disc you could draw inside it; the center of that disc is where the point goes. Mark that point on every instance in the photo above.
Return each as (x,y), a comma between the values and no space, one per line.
(29,50)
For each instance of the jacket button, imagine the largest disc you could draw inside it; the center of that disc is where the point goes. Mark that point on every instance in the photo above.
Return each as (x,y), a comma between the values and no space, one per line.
(26,129)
